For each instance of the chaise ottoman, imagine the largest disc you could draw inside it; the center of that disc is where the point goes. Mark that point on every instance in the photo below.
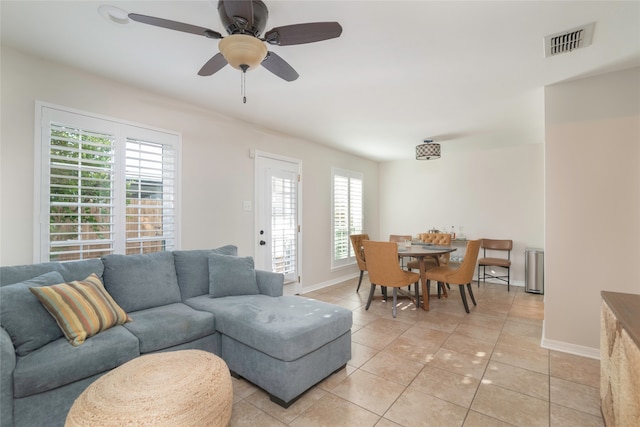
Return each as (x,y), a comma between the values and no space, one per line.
(285,344)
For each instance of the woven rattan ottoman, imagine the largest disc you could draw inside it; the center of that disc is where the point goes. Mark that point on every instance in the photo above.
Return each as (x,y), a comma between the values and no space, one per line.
(179,389)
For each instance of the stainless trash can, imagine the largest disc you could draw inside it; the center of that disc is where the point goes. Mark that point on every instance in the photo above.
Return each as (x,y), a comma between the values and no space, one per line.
(534,271)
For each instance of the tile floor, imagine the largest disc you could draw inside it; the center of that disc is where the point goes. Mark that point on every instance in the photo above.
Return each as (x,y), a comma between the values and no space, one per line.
(440,368)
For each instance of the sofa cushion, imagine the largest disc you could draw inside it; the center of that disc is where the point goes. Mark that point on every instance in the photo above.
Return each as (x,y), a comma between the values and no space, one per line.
(57,363)
(169,325)
(286,327)
(231,275)
(70,270)
(137,282)
(82,309)
(192,269)
(26,321)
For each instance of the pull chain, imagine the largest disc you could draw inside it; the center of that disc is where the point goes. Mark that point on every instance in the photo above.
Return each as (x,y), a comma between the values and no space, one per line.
(243,87)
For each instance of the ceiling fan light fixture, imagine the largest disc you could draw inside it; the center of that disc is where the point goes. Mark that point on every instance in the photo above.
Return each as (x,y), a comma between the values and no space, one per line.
(242,51)
(428,151)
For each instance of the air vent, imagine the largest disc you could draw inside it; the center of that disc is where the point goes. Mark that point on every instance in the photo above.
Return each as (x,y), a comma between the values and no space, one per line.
(567,41)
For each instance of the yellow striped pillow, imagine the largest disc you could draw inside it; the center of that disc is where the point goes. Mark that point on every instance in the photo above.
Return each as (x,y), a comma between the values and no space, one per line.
(81,308)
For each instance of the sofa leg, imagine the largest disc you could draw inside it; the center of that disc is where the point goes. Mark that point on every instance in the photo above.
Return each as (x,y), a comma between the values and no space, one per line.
(281,402)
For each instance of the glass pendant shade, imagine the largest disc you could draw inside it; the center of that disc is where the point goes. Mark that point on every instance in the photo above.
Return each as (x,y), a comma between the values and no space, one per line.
(240,49)
(428,151)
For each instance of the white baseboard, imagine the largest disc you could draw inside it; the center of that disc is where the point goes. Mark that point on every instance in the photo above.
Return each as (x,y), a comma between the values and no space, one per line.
(565,347)
(331,282)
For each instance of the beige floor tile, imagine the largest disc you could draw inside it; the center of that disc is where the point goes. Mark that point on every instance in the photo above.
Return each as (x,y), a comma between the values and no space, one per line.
(526,312)
(517,379)
(414,349)
(533,360)
(242,388)
(523,342)
(360,354)
(464,344)
(415,408)
(246,415)
(562,416)
(374,338)
(368,391)
(387,423)
(442,321)
(467,365)
(476,419)
(390,367)
(524,329)
(445,385)
(479,332)
(334,411)
(511,407)
(421,331)
(575,396)
(262,401)
(485,321)
(362,317)
(336,378)
(582,370)
(389,326)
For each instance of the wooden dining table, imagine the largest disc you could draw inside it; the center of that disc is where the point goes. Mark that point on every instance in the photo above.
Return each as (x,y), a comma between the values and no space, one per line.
(421,252)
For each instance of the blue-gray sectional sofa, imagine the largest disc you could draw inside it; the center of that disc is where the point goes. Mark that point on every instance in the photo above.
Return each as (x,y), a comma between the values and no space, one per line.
(176,300)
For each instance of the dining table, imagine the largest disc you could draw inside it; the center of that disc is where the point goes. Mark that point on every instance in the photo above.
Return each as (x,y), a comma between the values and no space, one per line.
(421,252)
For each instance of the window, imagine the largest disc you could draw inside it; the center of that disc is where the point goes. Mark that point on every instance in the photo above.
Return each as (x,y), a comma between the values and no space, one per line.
(347,218)
(103,187)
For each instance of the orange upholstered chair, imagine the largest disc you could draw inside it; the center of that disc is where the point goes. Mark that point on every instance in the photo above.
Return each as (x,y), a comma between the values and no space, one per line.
(356,244)
(384,270)
(460,276)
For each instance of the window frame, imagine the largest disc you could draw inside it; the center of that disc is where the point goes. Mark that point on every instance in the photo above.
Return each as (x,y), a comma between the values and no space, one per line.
(350,259)
(45,114)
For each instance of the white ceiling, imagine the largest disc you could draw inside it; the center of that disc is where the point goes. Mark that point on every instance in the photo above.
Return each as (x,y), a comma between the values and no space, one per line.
(402,71)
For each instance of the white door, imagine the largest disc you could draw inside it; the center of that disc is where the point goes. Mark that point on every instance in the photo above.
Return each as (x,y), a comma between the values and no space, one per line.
(278,217)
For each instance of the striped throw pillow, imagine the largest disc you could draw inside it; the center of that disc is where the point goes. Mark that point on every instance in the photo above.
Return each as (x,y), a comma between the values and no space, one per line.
(82,309)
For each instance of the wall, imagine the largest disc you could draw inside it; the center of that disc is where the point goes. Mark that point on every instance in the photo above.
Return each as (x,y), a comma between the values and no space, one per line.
(217,169)
(592,203)
(494,193)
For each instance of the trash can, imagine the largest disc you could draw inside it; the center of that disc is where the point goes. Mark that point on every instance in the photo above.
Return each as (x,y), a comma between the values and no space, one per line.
(534,271)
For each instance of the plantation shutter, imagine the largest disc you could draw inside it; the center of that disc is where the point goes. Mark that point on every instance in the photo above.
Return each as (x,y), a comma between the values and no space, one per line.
(347,214)
(80,193)
(150,199)
(284,225)
(103,187)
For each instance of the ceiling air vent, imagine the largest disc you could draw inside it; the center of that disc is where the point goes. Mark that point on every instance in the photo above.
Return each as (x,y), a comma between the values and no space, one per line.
(567,41)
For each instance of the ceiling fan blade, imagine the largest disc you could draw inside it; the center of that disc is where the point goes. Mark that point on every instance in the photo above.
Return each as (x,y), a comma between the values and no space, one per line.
(212,66)
(174,25)
(303,33)
(279,67)
(239,8)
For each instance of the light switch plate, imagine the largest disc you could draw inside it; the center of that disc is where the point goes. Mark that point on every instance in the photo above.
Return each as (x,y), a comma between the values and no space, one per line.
(246,205)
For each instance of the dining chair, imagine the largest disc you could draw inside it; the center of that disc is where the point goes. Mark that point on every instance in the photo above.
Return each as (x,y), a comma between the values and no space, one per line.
(440,239)
(384,270)
(356,244)
(505,263)
(400,239)
(460,276)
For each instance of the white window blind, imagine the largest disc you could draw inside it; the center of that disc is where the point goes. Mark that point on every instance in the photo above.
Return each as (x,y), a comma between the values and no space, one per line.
(103,187)
(347,214)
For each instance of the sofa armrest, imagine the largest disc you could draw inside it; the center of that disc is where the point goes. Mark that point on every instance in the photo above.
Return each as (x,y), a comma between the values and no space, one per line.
(270,283)
(7,366)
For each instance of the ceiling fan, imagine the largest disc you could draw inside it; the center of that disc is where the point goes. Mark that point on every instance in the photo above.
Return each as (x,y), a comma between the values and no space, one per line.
(243,48)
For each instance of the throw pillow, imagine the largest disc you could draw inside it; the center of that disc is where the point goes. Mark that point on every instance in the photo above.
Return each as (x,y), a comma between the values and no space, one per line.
(23,317)
(82,309)
(231,275)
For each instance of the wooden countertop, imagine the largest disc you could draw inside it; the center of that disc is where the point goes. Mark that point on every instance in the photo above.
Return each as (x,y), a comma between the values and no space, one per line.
(626,307)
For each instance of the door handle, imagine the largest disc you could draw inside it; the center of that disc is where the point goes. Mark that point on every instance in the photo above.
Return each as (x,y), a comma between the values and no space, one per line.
(262,243)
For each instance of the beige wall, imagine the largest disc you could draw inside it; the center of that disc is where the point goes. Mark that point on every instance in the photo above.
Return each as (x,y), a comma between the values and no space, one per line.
(217,170)
(592,210)
(494,193)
